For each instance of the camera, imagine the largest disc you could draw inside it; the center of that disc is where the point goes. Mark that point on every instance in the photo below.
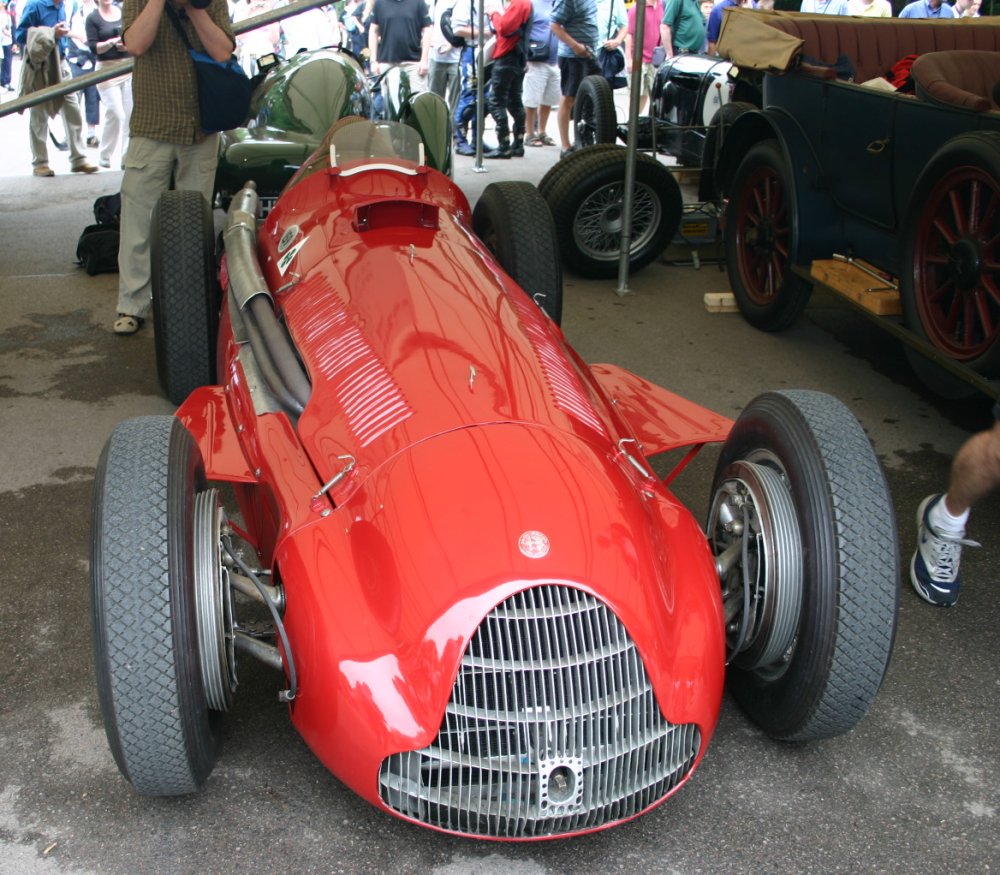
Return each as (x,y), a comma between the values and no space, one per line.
(200,4)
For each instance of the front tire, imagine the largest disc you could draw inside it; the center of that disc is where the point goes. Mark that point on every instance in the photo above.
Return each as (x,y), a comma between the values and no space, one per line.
(760,238)
(514,222)
(802,504)
(594,119)
(586,197)
(162,734)
(186,297)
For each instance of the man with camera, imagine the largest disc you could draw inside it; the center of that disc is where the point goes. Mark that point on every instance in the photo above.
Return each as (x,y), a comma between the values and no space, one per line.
(166,140)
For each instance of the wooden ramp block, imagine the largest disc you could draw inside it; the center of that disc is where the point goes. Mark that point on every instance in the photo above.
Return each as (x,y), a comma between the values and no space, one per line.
(720,302)
(852,282)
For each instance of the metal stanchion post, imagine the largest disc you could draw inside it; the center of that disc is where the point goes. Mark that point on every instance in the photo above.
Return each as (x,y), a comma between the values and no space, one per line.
(635,87)
(480,87)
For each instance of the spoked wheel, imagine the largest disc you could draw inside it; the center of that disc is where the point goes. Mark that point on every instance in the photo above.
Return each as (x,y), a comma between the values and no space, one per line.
(804,532)
(760,230)
(186,297)
(158,601)
(587,197)
(594,118)
(514,222)
(952,296)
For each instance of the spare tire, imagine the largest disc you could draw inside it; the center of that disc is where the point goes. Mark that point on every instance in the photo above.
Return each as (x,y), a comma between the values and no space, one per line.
(586,197)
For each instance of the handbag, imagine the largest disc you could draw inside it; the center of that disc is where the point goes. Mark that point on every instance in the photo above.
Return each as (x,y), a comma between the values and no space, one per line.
(612,61)
(224,90)
(658,57)
(538,50)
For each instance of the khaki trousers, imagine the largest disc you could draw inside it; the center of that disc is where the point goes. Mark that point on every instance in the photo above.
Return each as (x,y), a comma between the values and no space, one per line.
(149,167)
(38,127)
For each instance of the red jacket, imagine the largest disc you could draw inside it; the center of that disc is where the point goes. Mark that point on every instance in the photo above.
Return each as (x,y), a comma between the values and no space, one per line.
(507,26)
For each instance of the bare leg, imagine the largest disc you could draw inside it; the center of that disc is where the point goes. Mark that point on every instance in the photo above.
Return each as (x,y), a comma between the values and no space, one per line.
(543,118)
(530,113)
(975,472)
(563,117)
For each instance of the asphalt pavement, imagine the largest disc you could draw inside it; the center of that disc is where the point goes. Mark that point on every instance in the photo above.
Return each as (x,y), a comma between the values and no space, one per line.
(913,789)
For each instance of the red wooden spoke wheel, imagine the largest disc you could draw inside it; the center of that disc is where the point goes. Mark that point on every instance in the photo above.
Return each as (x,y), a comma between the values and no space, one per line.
(953,295)
(760,221)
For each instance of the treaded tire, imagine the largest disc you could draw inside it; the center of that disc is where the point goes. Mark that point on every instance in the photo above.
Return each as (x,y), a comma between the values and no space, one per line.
(186,297)
(586,197)
(164,739)
(594,119)
(950,242)
(559,168)
(514,222)
(850,581)
(715,136)
(760,236)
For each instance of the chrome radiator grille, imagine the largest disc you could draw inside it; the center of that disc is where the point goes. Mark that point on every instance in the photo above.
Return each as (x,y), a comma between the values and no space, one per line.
(552,728)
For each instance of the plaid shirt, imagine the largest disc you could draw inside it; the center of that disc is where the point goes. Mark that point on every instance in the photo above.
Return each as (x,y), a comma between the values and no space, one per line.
(164,90)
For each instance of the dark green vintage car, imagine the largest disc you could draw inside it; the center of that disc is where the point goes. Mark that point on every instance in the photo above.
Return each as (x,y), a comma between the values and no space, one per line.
(841,162)
(298,102)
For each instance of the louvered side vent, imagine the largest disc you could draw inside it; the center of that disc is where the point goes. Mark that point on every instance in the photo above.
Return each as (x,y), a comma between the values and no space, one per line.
(552,728)
(563,381)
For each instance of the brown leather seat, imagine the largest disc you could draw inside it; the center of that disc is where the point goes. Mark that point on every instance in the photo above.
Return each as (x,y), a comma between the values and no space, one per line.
(874,45)
(961,78)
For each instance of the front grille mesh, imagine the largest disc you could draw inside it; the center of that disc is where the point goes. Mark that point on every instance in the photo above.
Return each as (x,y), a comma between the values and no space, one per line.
(552,728)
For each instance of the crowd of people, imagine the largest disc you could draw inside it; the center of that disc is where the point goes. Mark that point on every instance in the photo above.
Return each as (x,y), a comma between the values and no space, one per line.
(541,50)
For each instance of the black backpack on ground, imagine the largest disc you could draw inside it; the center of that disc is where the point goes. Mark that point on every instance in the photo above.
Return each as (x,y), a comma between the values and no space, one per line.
(97,248)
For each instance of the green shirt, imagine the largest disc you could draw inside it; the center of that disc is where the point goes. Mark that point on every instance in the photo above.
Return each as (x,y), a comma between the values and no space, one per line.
(686,23)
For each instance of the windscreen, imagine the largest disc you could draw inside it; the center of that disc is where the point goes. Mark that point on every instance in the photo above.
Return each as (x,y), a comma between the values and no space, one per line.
(355,139)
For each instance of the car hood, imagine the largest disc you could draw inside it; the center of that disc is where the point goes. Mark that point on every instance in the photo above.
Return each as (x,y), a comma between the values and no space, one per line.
(385,593)
(409,329)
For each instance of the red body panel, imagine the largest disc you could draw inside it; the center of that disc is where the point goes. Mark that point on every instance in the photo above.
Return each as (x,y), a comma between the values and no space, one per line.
(470,422)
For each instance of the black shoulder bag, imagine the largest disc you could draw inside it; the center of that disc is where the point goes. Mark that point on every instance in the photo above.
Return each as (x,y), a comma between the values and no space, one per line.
(612,61)
(224,90)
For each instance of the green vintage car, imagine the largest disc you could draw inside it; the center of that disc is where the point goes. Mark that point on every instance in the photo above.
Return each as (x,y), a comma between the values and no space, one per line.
(297,103)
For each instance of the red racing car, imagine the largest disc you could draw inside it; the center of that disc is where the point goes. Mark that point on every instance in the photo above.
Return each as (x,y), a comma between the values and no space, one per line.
(393,480)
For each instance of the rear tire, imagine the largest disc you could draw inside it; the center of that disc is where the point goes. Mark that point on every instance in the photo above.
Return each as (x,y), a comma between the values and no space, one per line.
(163,736)
(807,664)
(186,297)
(594,119)
(514,222)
